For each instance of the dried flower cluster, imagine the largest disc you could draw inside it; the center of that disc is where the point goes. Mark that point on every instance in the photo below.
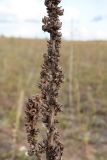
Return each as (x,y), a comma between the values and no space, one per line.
(47,104)
(32,115)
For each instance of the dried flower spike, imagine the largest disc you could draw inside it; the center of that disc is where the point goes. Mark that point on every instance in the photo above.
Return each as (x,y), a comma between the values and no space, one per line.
(51,79)
(32,112)
(47,104)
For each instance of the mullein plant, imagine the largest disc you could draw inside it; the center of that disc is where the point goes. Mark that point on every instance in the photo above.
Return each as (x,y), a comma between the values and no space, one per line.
(45,106)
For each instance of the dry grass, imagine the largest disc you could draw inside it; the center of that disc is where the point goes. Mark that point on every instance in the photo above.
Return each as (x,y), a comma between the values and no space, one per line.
(84,121)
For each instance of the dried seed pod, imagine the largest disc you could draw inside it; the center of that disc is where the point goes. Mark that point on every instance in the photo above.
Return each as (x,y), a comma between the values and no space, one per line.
(59,34)
(44,28)
(57,2)
(57,25)
(60,12)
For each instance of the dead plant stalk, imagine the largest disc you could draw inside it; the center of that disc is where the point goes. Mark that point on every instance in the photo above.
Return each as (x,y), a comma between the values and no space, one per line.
(46,105)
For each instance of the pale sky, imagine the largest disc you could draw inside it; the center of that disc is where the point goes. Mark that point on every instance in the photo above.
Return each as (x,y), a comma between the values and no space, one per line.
(82,20)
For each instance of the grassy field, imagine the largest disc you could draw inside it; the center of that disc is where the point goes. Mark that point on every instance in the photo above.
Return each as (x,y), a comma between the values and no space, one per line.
(83,123)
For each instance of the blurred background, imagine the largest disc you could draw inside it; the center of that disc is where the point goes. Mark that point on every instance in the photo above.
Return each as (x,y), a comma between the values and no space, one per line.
(83,123)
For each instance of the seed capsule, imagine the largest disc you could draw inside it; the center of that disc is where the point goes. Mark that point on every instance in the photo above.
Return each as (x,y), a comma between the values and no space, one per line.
(60,12)
(45,20)
(44,28)
(57,25)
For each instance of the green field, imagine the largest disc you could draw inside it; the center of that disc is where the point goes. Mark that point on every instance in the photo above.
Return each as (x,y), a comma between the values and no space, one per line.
(83,123)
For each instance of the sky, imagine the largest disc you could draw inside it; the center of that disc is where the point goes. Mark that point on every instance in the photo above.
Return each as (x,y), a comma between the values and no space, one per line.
(82,20)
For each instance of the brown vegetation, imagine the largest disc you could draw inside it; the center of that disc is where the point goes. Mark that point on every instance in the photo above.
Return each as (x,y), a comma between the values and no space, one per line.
(47,103)
(83,124)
